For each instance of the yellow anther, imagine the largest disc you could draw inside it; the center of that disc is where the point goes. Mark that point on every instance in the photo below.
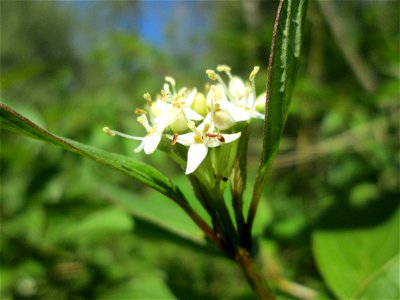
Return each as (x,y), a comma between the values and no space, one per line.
(223,68)
(211,74)
(140,111)
(147,97)
(108,131)
(170,80)
(254,73)
(206,127)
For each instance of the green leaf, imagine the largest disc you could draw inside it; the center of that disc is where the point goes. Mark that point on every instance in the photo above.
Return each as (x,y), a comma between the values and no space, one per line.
(149,286)
(139,171)
(357,251)
(143,173)
(157,211)
(100,223)
(284,58)
(384,282)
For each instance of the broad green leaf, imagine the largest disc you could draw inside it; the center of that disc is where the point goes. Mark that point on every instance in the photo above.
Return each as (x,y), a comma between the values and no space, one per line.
(356,252)
(384,282)
(155,210)
(284,58)
(149,286)
(99,223)
(140,171)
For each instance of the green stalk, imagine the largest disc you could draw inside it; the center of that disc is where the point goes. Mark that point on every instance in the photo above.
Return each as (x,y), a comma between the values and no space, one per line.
(238,184)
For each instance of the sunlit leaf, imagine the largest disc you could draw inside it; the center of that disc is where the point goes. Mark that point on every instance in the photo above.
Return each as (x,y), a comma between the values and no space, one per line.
(140,171)
(284,58)
(356,251)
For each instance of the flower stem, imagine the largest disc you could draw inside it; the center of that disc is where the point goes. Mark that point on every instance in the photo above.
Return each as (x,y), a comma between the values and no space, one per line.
(253,276)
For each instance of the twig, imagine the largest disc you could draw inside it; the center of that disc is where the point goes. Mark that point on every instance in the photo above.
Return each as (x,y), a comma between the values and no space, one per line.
(253,276)
(337,25)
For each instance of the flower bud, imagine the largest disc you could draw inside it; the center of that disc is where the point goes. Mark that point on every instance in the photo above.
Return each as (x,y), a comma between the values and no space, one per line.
(199,104)
(260,103)
(157,108)
(223,119)
(178,121)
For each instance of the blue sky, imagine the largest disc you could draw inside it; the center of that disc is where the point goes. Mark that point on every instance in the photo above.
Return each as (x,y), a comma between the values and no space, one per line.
(151,19)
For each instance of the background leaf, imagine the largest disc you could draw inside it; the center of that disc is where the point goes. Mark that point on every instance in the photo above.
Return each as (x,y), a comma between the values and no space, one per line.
(357,251)
(149,286)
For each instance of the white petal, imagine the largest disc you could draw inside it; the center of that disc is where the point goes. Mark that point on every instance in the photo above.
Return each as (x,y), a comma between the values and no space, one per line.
(140,148)
(237,87)
(256,115)
(231,137)
(207,120)
(250,101)
(189,99)
(192,115)
(214,142)
(186,139)
(196,154)
(151,142)
(239,114)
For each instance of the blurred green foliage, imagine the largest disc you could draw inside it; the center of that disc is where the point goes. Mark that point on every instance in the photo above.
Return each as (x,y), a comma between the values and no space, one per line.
(71,229)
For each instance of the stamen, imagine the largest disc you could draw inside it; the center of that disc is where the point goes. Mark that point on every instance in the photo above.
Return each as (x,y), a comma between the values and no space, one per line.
(166,89)
(222,83)
(109,131)
(213,95)
(147,97)
(254,73)
(114,133)
(163,94)
(211,74)
(206,127)
(170,80)
(140,111)
(143,120)
(193,128)
(182,91)
(224,68)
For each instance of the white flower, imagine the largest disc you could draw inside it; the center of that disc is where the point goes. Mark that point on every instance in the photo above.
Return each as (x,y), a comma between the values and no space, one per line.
(239,99)
(154,134)
(199,140)
(180,111)
(151,140)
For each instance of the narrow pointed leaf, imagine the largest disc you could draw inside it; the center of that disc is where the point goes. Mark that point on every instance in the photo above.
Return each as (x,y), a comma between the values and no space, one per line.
(283,62)
(141,172)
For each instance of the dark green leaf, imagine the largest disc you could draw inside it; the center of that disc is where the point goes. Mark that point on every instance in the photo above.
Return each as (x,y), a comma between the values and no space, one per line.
(156,210)
(284,58)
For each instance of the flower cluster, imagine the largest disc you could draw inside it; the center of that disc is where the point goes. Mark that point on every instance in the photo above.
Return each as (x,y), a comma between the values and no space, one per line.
(196,120)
